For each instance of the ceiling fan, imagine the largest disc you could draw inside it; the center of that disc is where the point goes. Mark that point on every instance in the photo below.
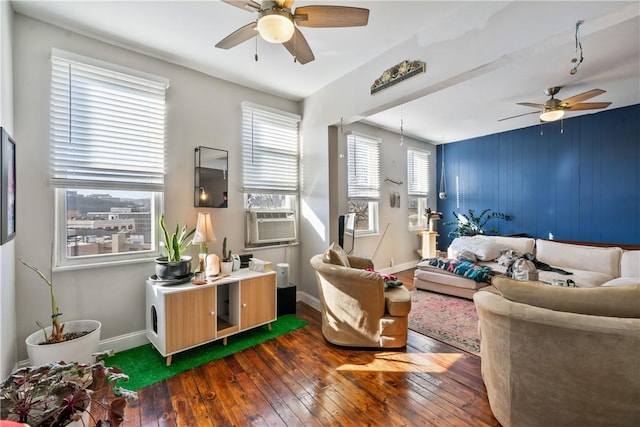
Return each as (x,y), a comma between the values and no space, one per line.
(277,23)
(554,109)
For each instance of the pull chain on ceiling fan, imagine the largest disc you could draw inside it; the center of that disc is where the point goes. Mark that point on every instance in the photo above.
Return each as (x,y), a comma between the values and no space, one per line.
(278,23)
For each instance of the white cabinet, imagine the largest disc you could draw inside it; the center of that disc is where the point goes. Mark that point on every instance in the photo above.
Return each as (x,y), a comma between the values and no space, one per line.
(184,316)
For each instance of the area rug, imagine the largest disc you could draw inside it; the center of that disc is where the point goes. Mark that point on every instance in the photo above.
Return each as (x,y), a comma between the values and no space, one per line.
(145,366)
(449,319)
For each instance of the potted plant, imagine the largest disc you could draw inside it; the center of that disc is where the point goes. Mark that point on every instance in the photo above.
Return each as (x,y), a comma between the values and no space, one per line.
(175,265)
(226,261)
(74,340)
(472,224)
(58,394)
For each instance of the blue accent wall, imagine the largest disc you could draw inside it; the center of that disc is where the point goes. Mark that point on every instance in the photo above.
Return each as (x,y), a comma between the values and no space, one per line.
(582,184)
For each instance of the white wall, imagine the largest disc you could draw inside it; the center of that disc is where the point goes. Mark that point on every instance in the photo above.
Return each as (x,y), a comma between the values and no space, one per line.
(201,110)
(8,345)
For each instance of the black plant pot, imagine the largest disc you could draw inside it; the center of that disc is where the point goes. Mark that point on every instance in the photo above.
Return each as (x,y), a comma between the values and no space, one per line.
(173,269)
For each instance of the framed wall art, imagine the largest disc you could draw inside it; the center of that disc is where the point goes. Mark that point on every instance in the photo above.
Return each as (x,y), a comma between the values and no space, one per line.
(7,188)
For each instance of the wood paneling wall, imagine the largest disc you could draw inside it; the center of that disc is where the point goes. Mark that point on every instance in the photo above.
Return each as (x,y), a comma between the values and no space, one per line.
(579,180)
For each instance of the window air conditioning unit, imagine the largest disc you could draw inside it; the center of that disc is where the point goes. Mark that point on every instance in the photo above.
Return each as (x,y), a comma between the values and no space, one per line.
(271,226)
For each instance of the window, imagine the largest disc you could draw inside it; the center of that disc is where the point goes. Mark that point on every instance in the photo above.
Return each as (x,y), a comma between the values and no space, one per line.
(418,163)
(270,164)
(363,169)
(107,160)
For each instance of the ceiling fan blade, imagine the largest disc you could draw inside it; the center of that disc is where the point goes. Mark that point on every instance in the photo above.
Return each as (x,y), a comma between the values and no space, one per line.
(331,16)
(519,115)
(529,104)
(248,5)
(240,35)
(587,106)
(581,97)
(299,48)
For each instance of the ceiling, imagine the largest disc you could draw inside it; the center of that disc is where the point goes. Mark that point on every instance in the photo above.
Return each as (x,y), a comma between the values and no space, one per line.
(528,46)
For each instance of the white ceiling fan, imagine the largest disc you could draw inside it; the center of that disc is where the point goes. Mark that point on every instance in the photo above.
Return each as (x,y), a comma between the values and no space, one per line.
(277,23)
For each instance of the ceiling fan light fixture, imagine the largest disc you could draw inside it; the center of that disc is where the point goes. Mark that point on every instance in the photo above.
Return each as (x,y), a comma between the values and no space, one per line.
(276,26)
(551,115)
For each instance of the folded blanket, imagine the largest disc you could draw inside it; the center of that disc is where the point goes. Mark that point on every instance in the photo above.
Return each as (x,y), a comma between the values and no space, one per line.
(468,269)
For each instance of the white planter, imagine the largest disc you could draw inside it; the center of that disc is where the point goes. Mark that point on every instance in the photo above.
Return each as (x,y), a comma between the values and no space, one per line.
(78,350)
(226,267)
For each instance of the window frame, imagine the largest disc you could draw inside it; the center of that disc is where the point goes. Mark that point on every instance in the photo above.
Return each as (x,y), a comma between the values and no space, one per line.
(369,192)
(69,175)
(415,190)
(63,262)
(282,187)
(373,218)
(423,204)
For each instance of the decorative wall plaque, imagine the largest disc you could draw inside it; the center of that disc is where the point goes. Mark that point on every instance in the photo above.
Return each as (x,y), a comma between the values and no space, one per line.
(398,73)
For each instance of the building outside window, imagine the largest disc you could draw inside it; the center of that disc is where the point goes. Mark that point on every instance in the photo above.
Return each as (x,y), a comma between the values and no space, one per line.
(107,160)
(418,187)
(270,171)
(363,170)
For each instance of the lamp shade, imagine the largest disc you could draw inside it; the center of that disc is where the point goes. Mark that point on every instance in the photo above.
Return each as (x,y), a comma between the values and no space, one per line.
(204,229)
(551,115)
(275,26)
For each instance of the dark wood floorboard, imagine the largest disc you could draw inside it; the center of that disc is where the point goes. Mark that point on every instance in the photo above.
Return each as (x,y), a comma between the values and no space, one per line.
(299,379)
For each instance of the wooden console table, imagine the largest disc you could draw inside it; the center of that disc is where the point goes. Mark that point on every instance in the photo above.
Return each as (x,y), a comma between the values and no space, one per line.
(180,317)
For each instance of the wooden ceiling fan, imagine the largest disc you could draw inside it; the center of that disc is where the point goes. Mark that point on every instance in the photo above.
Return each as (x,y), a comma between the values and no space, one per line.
(277,23)
(554,109)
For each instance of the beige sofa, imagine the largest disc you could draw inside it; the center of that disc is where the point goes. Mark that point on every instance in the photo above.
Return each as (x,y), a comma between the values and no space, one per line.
(557,356)
(356,309)
(590,265)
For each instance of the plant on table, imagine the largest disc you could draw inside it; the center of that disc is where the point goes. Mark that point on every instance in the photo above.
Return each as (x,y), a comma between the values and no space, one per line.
(57,393)
(177,243)
(472,224)
(226,256)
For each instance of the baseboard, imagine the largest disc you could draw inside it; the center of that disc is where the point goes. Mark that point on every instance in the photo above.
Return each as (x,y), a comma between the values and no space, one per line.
(124,342)
(308,299)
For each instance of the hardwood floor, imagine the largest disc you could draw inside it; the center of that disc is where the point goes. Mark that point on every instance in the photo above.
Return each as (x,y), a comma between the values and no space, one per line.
(299,379)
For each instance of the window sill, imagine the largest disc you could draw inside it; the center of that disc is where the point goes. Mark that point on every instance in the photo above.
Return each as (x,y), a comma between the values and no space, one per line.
(359,235)
(105,264)
(260,248)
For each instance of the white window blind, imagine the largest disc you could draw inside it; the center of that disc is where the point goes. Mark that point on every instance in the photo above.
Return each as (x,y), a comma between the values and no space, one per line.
(107,127)
(418,172)
(270,153)
(363,154)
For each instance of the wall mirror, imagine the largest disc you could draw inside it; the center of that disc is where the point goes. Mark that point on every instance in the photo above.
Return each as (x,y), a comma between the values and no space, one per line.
(211,178)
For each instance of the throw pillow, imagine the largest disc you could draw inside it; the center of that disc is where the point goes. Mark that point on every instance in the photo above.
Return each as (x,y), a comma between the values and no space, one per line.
(621,301)
(484,247)
(336,255)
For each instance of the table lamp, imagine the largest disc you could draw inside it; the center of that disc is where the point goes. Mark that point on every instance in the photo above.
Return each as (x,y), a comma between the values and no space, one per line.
(204,233)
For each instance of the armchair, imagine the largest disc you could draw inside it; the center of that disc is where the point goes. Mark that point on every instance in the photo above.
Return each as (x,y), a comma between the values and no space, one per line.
(356,309)
(557,356)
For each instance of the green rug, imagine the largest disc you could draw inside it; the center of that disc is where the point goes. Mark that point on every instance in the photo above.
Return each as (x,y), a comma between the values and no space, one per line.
(145,366)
